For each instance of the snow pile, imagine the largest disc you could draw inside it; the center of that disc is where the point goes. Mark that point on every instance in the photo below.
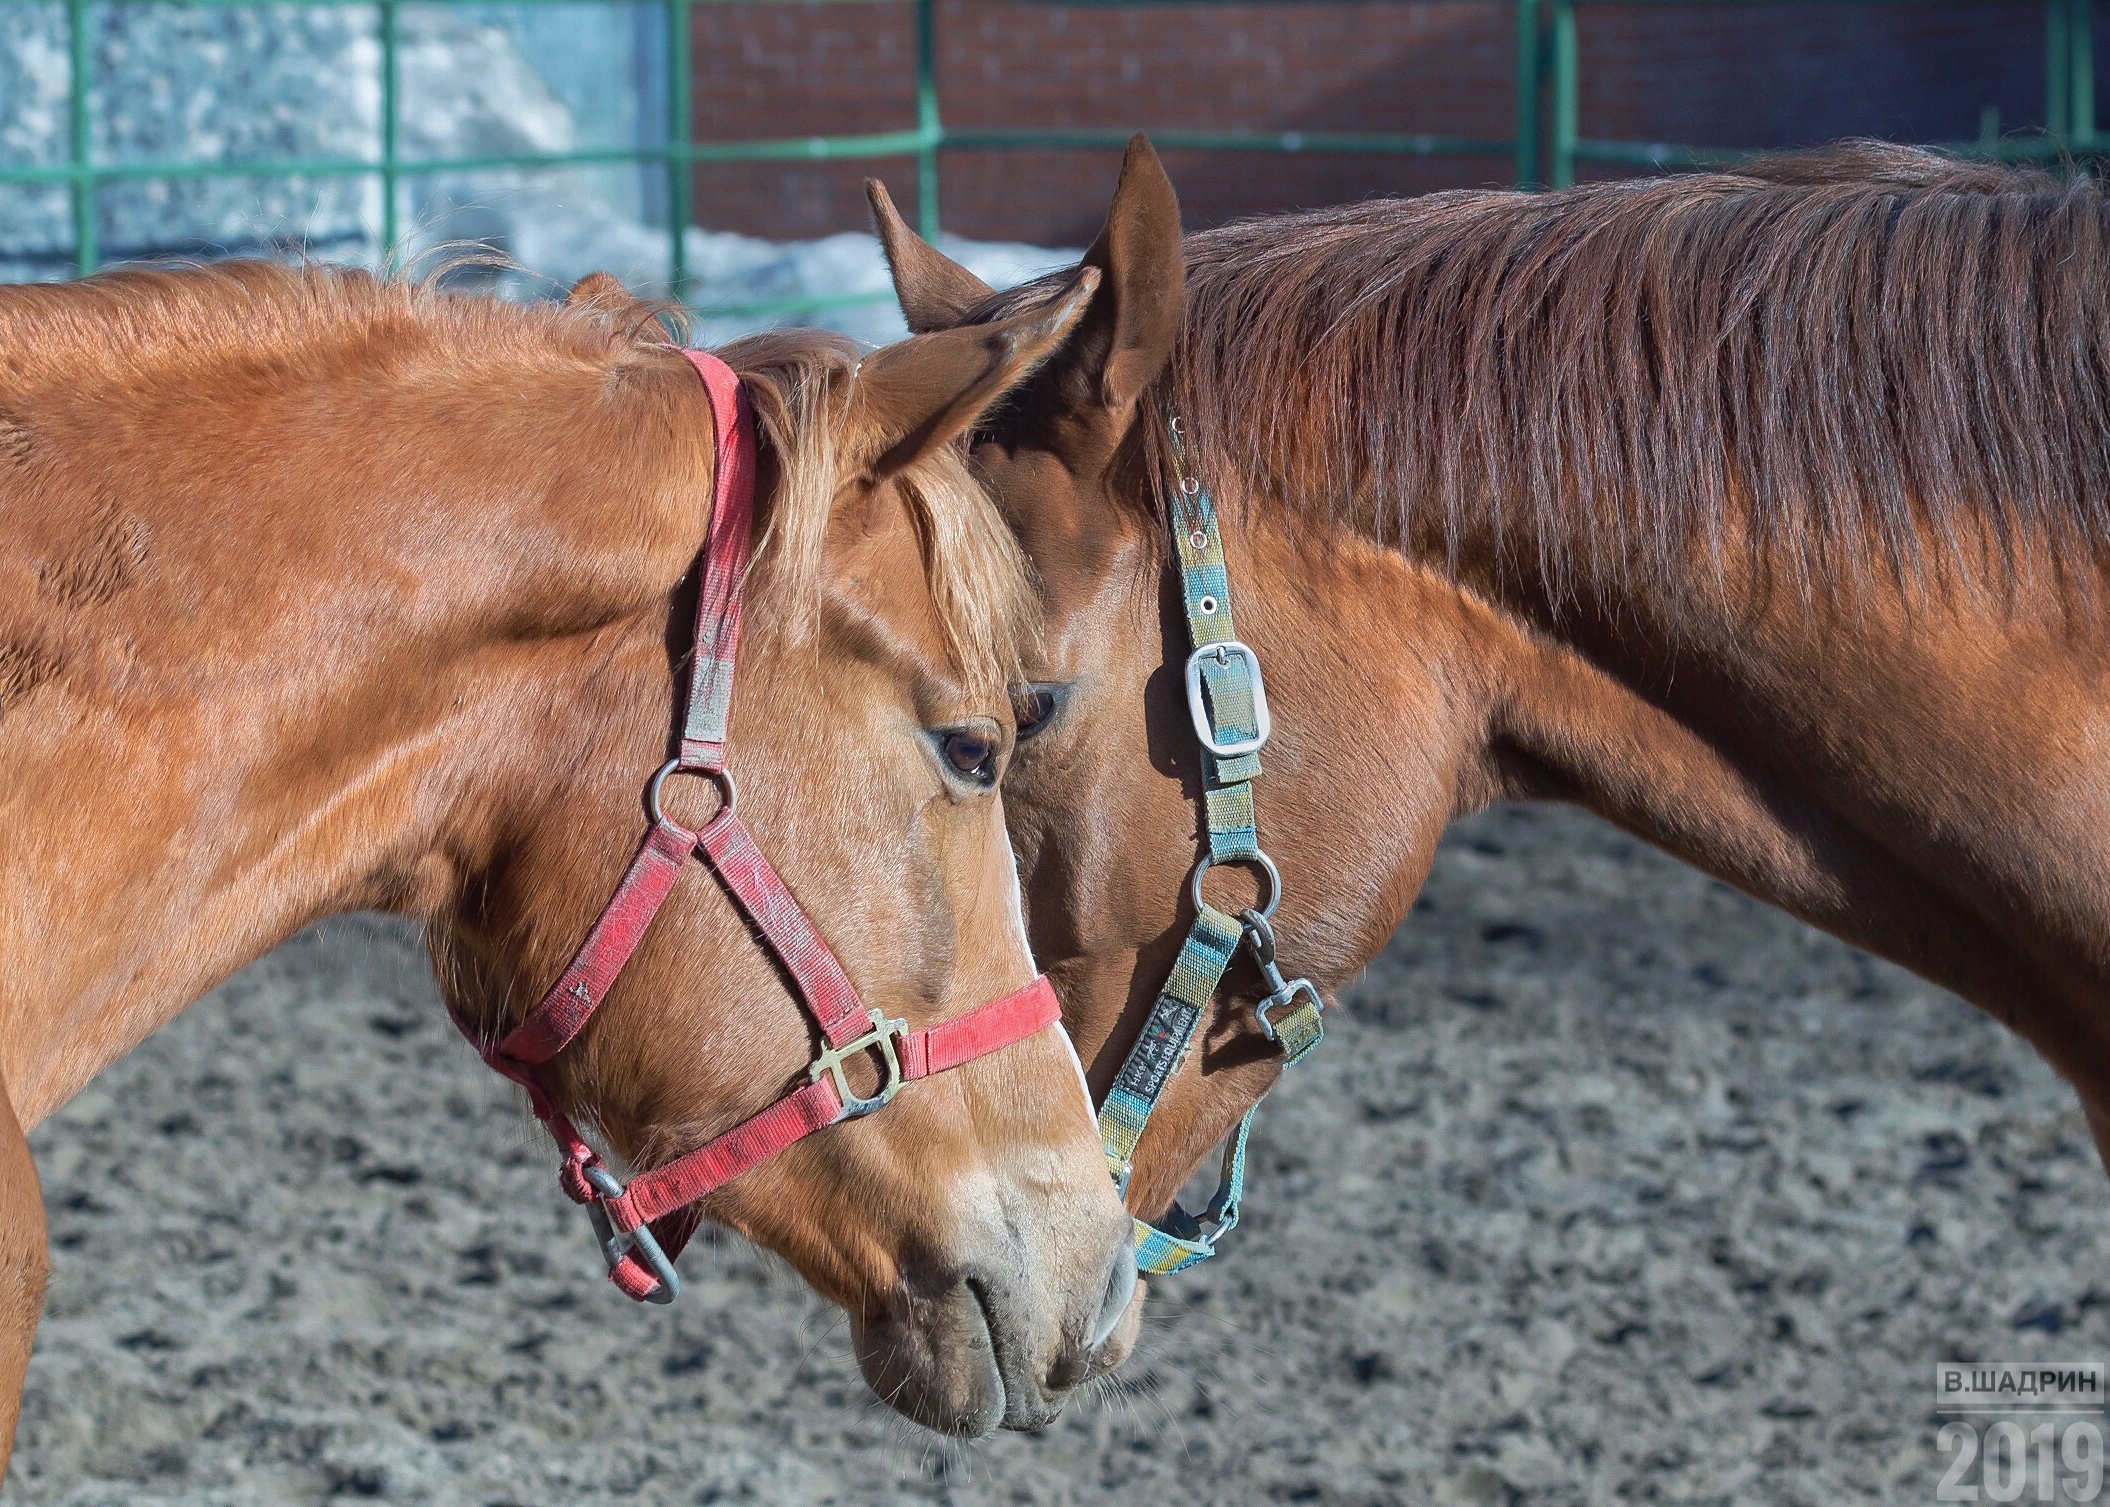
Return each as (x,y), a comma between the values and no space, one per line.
(199,85)
(740,269)
(219,83)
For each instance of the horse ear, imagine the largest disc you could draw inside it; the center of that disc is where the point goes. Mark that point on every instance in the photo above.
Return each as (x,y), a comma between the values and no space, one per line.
(919,395)
(935,291)
(1126,336)
(602,296)
(599,290)
(1136,318)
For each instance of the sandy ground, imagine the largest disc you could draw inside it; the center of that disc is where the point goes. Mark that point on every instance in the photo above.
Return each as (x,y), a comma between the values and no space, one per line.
(1608,1185)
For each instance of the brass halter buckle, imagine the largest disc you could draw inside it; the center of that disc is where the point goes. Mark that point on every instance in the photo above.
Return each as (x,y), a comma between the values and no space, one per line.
(881,1038)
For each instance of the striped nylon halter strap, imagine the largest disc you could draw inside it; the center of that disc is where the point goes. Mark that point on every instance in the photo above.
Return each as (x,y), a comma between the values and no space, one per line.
(1227,701)
(643,1226)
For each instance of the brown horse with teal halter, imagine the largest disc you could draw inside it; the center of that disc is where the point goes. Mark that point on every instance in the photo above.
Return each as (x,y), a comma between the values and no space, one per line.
(1763,513)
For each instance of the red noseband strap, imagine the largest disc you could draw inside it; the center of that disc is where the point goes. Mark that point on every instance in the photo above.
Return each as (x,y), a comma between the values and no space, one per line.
(647,1219)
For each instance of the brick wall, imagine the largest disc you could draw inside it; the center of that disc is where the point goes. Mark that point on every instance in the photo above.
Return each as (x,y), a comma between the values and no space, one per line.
(1793,77)
(1732,76)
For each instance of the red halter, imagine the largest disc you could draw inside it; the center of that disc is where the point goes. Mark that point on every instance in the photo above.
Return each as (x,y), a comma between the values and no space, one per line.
(644,1226)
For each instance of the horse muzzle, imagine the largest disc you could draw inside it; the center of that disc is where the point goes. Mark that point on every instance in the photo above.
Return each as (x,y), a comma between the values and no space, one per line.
(975,1348)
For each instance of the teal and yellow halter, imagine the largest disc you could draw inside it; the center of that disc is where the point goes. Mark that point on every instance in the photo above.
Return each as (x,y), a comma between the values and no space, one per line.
(1227,699)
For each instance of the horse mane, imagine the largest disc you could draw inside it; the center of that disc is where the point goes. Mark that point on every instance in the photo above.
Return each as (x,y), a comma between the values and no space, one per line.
(1864,357)
(1840,357)
(255,322)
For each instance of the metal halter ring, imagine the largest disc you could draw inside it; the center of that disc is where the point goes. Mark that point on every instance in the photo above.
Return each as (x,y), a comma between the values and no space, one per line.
(728,793)
(1257,859)
(616,1244)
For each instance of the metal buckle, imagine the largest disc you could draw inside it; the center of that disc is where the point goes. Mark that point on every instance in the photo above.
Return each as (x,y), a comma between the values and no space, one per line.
(1203,729)
(616,1244)
(881,1037)
(1283,992)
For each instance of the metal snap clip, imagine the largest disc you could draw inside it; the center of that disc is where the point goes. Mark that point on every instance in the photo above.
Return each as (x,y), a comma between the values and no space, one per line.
(616,1244)
(1282,993)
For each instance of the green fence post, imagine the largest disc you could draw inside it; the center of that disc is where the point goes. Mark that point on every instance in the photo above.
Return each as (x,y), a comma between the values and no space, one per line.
(928,125)
(1564,91)
(681,168)
(2058,69)
(1528,83)
(388,134)
(2080,99)
(87,253)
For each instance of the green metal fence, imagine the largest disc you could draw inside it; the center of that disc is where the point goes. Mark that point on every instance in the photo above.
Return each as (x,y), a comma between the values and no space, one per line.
(1545,148)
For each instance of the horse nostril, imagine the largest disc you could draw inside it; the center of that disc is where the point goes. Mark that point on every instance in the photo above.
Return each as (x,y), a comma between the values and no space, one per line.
(1120,1288)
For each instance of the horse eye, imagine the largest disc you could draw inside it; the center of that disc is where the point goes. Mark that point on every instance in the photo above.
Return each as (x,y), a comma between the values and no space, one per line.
(1031,706)
(972,754)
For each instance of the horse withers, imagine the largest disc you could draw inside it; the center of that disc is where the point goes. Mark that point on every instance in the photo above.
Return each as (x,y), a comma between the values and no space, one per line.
(324,593)
(1762,513)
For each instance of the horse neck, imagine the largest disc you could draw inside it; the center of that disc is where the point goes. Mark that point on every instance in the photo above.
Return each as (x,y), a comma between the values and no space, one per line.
(316,664)
(1895,762)
(1878,763)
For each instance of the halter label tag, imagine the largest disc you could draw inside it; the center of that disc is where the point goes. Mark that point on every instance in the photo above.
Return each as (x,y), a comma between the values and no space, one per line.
(1157,1051)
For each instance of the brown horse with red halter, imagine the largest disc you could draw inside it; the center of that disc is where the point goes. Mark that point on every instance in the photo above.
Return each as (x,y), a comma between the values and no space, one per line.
(325,594)
(640,1256)
(1763,513)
